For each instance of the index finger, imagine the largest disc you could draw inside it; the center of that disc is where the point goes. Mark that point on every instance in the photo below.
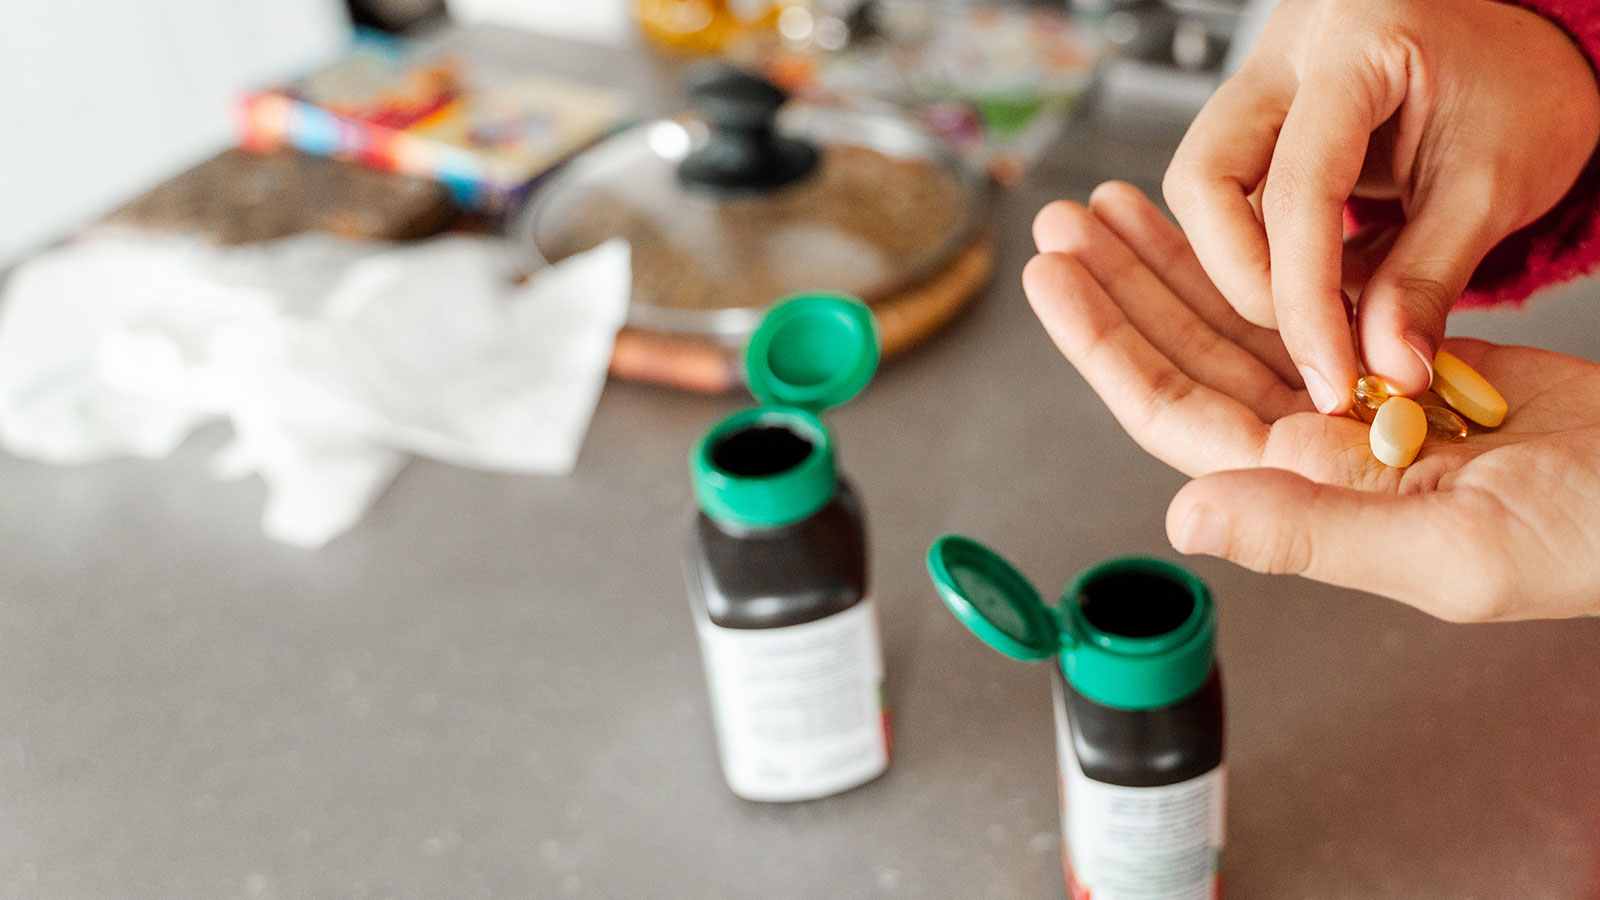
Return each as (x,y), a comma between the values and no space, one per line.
(1222,158)
(1315,165)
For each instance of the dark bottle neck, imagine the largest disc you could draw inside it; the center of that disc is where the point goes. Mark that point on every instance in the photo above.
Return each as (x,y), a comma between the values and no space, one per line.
(773,577)
(1147,748)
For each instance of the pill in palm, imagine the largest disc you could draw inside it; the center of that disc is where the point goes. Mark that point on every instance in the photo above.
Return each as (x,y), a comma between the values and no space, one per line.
(1398,431)
(1443,424)
(1467,391)
(1368,394)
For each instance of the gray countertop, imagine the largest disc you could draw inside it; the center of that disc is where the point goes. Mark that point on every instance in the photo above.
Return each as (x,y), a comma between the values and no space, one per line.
(490,687)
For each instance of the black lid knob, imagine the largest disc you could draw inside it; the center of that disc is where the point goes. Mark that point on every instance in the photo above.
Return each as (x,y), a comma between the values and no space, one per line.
(744,152)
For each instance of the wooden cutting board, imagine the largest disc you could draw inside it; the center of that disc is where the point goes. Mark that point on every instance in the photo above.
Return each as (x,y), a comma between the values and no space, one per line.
(905,319)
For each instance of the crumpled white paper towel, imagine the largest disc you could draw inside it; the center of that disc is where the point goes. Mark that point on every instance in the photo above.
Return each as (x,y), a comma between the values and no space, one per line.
(332,359)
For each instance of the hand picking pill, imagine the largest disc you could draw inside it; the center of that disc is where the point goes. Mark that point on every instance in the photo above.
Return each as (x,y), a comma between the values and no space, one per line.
(1470,393)
(1368,394)
(1398,431)
(1443,424)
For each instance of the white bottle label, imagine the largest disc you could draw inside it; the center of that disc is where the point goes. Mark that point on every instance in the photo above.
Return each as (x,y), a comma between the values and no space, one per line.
(1138,843)
(799,710)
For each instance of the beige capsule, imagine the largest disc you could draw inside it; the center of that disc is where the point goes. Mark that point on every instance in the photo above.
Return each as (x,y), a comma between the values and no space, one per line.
(1468,392)
(1398,431)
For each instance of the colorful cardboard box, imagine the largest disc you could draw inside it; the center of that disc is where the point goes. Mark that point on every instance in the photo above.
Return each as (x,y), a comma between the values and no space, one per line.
(387,106)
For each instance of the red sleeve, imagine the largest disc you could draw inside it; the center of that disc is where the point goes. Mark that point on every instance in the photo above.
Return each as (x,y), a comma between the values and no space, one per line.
(1562,244)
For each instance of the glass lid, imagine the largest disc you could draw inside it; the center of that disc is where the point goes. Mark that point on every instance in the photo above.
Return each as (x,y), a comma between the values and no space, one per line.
(743,203)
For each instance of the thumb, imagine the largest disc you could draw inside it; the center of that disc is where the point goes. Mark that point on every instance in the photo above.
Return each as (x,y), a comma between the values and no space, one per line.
(1403,309)
(1402,546)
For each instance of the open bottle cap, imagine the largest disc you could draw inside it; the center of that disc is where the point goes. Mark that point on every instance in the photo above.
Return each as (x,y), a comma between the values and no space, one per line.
(812,351)
(995,601)
(773,465)
(1132,633)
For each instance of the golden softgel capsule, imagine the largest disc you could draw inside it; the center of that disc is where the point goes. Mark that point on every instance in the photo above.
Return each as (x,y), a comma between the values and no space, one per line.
(1444,425)
(1398,431)
(1368,394)
(1470,393)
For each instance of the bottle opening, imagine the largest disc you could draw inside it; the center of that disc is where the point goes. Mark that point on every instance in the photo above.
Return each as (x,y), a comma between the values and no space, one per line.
(1136,604)
(760,451)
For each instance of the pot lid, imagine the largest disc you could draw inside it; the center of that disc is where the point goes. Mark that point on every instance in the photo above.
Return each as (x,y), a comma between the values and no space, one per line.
(752,198)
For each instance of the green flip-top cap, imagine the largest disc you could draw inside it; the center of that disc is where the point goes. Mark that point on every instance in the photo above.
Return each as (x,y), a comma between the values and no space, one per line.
(812,351)
(1131,633)
(995,601)
(774,465)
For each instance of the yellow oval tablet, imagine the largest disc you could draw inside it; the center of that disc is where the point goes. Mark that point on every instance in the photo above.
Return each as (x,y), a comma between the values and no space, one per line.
(1398,431)
(1470,393)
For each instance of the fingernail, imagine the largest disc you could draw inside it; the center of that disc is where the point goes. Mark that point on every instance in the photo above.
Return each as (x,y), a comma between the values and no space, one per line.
(1420,348)
(1203,532)
(1322,396)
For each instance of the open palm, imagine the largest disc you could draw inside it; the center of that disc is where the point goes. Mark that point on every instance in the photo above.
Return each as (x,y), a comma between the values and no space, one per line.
(1503,525)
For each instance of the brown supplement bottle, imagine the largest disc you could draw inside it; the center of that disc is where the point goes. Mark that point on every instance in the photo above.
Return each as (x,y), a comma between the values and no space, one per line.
(1138,710)
(777,566)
